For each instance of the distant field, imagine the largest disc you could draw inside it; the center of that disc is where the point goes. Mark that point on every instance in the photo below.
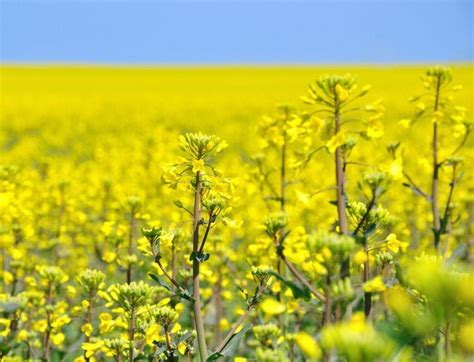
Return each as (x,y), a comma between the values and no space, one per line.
(226,101)
(337,235)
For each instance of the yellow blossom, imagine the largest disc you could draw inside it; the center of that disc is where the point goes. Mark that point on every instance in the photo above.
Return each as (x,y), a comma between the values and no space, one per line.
(152,334)
(58,339)
(87,329)
(374,285)
(405,123)
(336,141)
(92,347)
(342,93)
(360,257)
(271,306)
(308,345)
(109,256)
(198,165)
(395,245)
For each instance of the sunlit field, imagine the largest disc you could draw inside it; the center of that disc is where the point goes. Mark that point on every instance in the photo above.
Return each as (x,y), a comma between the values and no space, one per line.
(247,214)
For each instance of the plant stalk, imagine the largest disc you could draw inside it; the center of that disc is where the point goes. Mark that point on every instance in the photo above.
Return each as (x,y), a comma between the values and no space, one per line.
(234,328)
(435,180)
(130,246)
(366,277)
(201,337)
(341,189)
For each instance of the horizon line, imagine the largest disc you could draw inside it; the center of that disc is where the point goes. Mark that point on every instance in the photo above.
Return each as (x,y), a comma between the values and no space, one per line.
(226,65)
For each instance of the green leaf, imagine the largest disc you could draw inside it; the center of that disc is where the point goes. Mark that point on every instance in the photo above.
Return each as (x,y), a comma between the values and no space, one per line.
(9,307)
(184,337)
(156,279)
(370,230)
(185,294)
(214,357)
(200,256)
(299,291)
(161,347)
(359,239)
(232,346)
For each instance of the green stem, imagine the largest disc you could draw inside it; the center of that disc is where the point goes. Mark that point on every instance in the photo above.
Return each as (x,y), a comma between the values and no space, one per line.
(130,246)
(366,277)
(201,337)
(341,189)
(131,335)
(435,180)
(447,340)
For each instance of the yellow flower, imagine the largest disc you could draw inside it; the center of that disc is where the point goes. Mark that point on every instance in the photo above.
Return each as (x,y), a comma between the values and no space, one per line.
(327,254)
(5,323)
(395,169)
(360,257)
(314,268)
(375,130)
(405,123)
(22,336)
(106,323)
(92,347)
(57,339)
(308,345)
(30,281)
(17,253)
(40,326)
(176,328)
(166,239)
(342,93)
(182,348)
(71,291)
(87,329)
(357,323)
(395,245)
(109,256)
(152,334)
(374,285)
(5,199)
(336,141)
(224,324)
(262,143)
(465,336)
(61,321)
(169,176)
(144,246)
(198,165)
(459,130)
(303,197)
(375,127)
(232,224)
(271,306)
(420,107)
(276,287)
(292,306)
(7,277)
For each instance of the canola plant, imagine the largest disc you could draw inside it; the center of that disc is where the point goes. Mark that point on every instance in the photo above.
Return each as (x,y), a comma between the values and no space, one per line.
(179,214)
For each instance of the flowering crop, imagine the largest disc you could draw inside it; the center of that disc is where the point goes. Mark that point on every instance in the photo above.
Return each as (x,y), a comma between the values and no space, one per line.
(338,227)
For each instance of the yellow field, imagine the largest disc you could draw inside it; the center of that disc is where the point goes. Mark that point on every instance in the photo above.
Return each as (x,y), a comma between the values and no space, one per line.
(194,98)
(87,155)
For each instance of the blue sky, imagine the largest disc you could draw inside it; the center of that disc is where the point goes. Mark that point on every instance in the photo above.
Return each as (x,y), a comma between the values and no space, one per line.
(236,32)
